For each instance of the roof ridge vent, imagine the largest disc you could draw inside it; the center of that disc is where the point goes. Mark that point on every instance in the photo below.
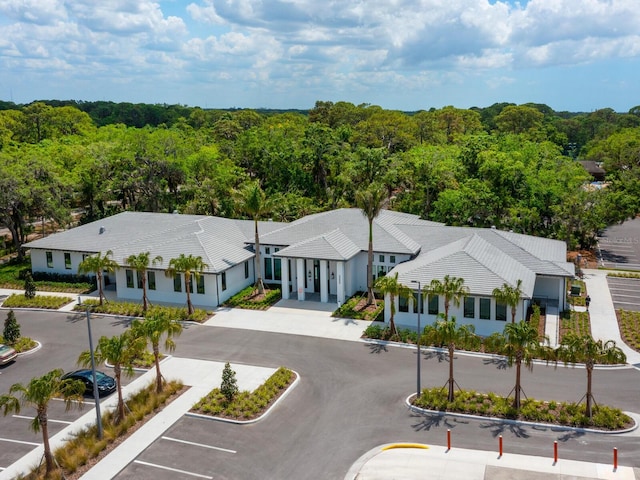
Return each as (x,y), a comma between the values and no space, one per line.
(102,229)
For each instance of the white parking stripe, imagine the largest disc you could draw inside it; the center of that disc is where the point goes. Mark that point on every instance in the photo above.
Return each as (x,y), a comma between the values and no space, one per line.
(199,445)
(19,441)
(172,469)
(48,420)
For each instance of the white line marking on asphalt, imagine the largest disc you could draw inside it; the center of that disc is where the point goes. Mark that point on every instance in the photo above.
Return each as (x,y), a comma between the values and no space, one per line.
(48,420)
(72,401)
(19,441)
(172,469)
(198,444)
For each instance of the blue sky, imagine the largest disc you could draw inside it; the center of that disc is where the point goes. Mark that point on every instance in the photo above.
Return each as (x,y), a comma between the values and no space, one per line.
(575,55)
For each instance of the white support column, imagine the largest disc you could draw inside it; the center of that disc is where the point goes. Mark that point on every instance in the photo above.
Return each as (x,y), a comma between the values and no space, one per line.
(300,273)
(284,287)
(324,282)
(340,282)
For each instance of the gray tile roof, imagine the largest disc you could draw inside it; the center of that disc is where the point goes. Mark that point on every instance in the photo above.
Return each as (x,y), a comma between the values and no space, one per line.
(331,246)
(485,258)
(354,226)
(221,242)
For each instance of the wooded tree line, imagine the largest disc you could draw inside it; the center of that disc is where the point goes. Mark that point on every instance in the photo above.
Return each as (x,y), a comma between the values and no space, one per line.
(509,166)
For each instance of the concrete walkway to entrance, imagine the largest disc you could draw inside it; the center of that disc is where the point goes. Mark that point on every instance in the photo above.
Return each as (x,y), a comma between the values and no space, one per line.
(293,317)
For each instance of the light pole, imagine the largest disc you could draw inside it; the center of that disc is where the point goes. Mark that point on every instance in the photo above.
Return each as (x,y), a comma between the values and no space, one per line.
(419,305)
(96,396)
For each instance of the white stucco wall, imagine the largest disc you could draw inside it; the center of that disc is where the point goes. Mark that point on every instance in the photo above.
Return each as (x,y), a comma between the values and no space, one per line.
(39,261)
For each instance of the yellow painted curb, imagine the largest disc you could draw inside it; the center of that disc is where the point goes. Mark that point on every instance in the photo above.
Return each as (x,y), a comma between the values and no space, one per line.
(406,445)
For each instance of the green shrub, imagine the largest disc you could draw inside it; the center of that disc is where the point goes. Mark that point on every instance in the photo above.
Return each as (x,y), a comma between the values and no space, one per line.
(569,414)
(245,404)
(351,309)
(11,332)
(24,344)
(245,299)
(39,301)
(131,309)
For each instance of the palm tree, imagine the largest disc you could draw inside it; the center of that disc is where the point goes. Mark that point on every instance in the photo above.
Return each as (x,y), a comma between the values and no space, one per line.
(451,288)
(576,348)
(508,295)
(370,201)
(119,351)
(253,202)
(37,394)
(97,264)
(156,325)
(189,265)
(140,263)
(449,333)
(521,345)
(390,285)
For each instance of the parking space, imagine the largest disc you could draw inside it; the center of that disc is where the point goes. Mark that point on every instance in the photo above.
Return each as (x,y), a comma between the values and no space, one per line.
(192,448)
(625,293)
(620,245)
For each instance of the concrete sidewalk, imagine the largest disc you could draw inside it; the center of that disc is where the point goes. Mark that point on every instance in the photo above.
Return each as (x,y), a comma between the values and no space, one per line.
(410,462)
(604,323)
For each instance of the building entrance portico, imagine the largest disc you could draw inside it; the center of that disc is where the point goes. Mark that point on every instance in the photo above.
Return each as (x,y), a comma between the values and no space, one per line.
(311,278)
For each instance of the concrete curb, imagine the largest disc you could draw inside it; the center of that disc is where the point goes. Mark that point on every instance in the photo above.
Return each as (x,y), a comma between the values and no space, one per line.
(254,420)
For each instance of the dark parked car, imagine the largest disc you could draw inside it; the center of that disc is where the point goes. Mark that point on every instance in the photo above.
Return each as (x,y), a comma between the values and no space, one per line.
(106,384)
(7,354)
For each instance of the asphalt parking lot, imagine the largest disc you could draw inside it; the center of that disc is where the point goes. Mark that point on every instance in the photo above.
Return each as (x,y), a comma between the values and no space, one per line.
(620,245)
(625,293)
(63,337)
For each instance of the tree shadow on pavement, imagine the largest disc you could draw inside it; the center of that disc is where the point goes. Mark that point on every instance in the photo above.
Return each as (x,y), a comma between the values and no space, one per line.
(429,420)
(440,355)
(497,428)
(377,347)
(501,363)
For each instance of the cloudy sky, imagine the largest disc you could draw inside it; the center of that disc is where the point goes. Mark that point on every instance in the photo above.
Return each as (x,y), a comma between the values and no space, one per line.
(576,55)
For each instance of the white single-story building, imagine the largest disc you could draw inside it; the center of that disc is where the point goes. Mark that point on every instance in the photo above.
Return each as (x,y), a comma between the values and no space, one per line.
(322,257)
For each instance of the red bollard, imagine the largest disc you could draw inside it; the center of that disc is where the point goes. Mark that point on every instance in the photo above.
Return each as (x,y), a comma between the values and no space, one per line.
(501,445)
(555,452)
(448,439)
(615,458)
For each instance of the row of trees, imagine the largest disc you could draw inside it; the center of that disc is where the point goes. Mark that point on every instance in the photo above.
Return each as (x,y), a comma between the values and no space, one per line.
(509,166)
(188,265)
(520,342)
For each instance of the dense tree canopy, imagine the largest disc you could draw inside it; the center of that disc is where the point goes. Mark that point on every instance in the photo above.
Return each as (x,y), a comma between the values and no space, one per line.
(509,166)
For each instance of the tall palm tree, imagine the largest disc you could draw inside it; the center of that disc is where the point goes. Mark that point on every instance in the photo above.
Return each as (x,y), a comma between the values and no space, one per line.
(521,345)
(509,295)
(37,394)
(390,285)
(576,348)
(140,263)
(451,288)
(449,333)
(254,203)
(98,264)
(370,201)
(155,326)
(119,351)
(190,266)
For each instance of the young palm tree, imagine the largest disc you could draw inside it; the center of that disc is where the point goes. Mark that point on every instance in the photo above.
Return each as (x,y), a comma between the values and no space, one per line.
(521,345)
(449,333)
(509,295)
(97,264)
(254,203)
(390,285)
(190,266)
(140,263)
(575,348)
(155,326)
(370,201)
(37,394)
(119,351)
(451,288)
